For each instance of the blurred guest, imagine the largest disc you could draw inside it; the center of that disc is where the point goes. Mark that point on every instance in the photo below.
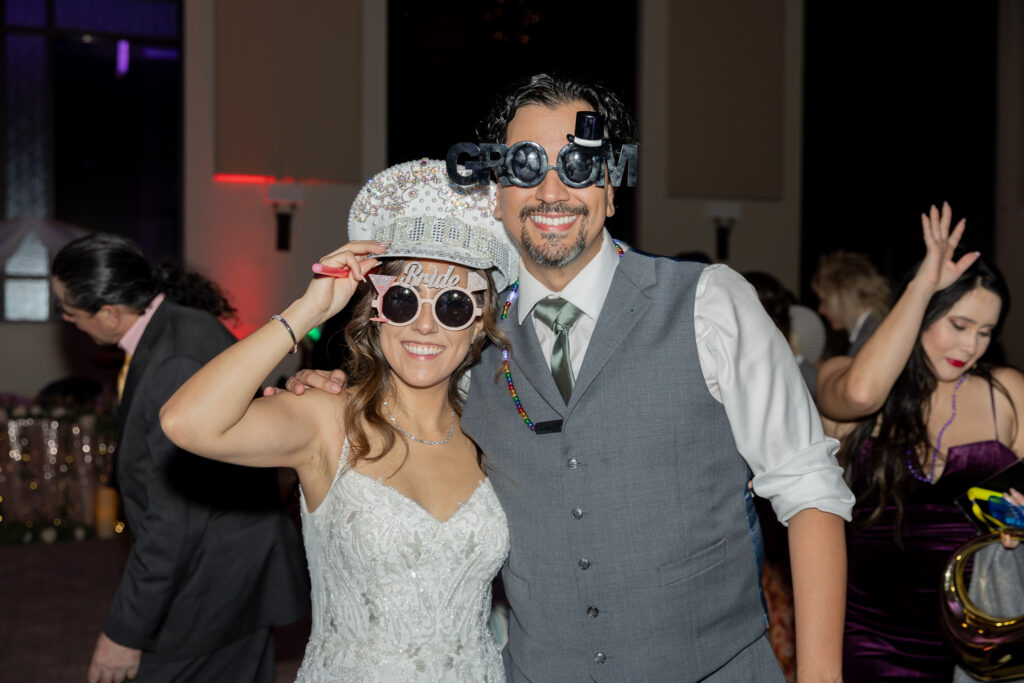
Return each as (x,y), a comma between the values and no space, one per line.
(807,337)
(853,295)
(214,562)
(697,256)
(922,417)
(777,302)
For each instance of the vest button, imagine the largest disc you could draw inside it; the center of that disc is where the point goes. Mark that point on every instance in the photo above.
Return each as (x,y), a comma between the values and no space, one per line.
(573,463)
(584,564)
(577,513)
(599,658)
(592,612)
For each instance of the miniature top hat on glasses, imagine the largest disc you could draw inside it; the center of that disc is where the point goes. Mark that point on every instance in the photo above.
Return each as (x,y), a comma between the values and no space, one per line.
(425,215)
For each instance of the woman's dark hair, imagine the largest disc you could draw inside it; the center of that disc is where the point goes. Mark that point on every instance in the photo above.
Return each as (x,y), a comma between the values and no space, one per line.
(875,453)
(773,296)
(551,90)
(103,269)
(368,373)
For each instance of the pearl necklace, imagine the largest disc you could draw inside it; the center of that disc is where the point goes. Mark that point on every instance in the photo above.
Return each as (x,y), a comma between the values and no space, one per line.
(506,355)
(938,441)
(451,430)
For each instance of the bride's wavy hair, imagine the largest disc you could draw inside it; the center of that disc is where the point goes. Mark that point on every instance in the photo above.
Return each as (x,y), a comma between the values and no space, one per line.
(368,374)
(876,450)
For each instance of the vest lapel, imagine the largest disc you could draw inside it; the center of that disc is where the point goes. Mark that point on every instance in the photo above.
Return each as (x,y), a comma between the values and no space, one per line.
(623,308)
(528,364)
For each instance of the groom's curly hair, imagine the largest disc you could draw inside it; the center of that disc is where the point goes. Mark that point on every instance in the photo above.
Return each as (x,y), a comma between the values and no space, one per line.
(551,90)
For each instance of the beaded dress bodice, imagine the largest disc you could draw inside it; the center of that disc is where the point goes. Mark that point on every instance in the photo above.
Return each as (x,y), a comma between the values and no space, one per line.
(397,594)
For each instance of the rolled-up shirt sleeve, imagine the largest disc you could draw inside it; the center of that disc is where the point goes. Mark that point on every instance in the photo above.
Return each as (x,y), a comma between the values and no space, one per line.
(749,367)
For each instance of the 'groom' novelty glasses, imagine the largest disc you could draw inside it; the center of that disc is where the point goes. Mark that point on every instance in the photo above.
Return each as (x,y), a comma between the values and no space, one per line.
(526,164)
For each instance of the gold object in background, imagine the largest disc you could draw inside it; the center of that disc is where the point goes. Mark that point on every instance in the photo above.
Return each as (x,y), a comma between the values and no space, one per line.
(989,647)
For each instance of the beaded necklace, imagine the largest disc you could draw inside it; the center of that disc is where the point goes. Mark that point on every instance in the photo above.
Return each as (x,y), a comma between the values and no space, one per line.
(506,355)
(938,441)
(451,430)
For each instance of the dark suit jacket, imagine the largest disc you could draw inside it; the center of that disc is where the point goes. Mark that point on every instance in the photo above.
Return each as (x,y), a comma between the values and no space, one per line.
(213,555)
(871,324)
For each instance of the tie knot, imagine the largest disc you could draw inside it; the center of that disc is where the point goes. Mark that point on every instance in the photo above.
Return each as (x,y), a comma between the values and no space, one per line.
(557,313)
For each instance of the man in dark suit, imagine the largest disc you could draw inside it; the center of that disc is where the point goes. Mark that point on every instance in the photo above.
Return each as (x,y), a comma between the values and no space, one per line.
(215,562)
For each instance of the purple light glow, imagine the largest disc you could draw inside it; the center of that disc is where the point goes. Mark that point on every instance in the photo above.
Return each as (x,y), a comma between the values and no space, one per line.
(26,13)
(123,57)
(158,53)
(155,18)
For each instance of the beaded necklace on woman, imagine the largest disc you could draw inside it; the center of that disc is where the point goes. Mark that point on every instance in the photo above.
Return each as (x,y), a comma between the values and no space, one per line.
(930,477)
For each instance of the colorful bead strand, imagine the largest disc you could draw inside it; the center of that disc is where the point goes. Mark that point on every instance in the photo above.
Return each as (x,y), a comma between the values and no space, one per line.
(506,355)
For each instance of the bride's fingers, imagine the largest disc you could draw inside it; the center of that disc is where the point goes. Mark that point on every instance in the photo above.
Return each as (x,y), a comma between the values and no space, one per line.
(358,257)
(344,259)
(365,266)
(361,247)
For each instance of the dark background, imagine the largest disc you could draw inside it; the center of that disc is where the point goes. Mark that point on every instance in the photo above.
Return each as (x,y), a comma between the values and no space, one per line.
(118,143)
(448,61)
(899,112)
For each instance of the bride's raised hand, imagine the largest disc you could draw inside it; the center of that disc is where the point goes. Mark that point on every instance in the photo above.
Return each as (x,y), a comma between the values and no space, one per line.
(339,273)
(938,270)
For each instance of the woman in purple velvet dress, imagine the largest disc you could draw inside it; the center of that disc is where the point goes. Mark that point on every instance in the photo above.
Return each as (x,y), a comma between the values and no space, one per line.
(922,418)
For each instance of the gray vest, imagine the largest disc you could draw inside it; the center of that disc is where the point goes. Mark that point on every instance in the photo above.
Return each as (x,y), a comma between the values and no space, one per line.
(631,556)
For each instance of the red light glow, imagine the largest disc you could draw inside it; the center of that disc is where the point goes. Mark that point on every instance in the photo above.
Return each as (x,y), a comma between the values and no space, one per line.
(241,178)
(253,179)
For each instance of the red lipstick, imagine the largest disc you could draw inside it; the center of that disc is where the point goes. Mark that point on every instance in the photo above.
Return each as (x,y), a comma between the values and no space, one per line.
(955,363)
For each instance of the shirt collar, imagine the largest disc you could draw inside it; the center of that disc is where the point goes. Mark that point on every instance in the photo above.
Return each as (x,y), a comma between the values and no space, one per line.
(587,291)
(860,323)
(130,340)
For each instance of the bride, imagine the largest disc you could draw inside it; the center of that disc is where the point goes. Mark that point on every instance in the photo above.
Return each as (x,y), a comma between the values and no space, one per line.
(403,532)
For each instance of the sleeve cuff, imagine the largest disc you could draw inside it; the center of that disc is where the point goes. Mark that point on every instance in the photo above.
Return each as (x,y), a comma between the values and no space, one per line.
(809,479)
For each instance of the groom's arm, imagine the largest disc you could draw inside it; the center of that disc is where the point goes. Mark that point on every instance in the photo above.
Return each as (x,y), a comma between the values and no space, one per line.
(750,368)
(817,553)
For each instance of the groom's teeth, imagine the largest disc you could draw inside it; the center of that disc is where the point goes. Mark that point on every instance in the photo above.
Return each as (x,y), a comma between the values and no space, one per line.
(560,220)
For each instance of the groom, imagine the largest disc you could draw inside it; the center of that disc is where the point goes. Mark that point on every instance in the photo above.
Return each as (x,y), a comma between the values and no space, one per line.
(644,400)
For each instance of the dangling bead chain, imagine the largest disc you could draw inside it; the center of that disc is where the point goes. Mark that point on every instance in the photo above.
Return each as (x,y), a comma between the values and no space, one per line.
(506,355)
(938,441)
(451,430)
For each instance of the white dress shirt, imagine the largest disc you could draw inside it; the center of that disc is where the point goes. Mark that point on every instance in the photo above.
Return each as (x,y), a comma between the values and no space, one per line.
(859,324)
(748,367)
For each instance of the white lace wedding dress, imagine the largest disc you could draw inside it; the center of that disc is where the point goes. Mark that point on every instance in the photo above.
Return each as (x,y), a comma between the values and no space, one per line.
(397,594)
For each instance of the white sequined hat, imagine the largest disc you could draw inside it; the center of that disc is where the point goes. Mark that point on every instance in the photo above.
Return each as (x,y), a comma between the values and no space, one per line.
(425,215)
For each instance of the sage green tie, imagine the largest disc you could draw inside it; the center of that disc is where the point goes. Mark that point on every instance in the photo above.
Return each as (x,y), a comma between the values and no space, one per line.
(560,316)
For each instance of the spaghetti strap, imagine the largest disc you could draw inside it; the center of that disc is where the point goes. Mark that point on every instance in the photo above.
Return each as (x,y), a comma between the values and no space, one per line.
(992,398)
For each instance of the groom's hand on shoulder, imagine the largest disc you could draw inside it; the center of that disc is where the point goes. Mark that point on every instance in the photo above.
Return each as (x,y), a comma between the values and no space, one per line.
(331,381)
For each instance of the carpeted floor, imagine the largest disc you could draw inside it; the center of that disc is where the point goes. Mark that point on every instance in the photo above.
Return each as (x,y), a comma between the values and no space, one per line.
(54,599)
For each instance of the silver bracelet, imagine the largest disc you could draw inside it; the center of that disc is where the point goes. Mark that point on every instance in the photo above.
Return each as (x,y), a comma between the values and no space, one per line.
(295,342)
